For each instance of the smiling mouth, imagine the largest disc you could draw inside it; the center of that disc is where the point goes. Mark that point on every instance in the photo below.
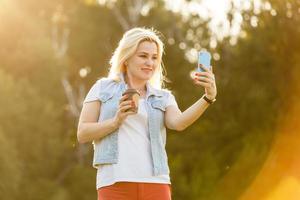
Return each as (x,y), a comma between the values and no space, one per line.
(147,69)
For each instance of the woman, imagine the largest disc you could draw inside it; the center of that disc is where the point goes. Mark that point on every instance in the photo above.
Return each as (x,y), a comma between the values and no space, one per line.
(129,147)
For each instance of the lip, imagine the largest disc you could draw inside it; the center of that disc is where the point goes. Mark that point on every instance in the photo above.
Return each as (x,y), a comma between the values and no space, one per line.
(147,69)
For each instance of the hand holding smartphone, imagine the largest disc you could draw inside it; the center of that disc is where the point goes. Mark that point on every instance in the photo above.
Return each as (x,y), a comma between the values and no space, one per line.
(204,76)
(204,58)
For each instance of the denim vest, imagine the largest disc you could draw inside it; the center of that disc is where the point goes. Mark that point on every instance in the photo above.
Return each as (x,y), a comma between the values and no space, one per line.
(106,148)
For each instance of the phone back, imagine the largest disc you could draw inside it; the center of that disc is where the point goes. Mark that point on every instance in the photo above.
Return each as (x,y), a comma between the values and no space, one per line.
(204,59)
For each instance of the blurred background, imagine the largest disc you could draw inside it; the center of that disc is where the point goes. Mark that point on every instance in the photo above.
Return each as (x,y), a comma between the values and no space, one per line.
(245,147)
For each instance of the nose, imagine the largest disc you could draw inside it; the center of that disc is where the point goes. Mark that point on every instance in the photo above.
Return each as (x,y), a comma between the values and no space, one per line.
(149,62)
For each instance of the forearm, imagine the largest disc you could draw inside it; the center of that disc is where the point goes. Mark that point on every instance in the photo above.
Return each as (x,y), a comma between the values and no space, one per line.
(89,131)
(191,114)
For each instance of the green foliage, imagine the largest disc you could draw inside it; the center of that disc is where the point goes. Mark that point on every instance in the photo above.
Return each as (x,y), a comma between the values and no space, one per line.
(9,168)
(79,182)
(33,139)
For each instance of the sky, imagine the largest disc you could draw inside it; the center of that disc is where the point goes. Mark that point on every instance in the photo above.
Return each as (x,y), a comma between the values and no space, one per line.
(216,10)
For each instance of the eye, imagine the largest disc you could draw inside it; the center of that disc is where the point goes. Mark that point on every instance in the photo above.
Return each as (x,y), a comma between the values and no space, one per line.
(143,56)
(154,58)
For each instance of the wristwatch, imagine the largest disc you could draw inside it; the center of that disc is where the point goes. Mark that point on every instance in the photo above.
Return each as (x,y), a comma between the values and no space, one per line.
(210,101)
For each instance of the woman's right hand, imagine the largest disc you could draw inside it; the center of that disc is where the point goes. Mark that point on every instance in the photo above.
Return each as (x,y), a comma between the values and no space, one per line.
(123,110)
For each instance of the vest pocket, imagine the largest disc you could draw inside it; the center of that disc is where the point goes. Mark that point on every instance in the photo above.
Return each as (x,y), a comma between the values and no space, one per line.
(109,105)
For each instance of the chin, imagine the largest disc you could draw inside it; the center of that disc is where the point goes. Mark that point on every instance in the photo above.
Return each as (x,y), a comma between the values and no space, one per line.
(147,77)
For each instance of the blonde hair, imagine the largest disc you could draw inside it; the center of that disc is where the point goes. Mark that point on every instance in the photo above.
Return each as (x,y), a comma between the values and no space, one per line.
(128,46)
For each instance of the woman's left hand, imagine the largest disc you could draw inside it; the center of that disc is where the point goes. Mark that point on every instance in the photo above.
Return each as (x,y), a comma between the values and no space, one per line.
(207,80)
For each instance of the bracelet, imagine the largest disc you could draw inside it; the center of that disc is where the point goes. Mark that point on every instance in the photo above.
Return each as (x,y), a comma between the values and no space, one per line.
(208,100)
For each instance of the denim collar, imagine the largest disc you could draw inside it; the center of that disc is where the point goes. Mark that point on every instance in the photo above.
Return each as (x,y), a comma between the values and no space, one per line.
(151,91)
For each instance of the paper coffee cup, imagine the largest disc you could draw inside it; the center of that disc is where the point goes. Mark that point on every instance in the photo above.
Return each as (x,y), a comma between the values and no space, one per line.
(133,95)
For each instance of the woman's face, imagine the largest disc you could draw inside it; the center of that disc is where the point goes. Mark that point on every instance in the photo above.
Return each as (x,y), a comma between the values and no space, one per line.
(142,64)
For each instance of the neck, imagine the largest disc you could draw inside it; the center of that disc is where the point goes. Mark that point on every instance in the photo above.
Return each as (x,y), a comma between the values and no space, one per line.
(139,85)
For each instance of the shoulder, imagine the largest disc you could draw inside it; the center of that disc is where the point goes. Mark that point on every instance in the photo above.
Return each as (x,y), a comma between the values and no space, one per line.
(165,92)
(105,82)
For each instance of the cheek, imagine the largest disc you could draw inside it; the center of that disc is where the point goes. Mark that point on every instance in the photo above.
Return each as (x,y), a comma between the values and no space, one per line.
(136,62)
(133,67)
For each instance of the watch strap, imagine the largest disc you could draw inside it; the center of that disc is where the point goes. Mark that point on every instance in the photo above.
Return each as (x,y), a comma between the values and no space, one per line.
(208,100)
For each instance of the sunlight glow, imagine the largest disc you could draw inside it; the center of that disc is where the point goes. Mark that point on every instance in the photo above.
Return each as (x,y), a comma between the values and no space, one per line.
(288,188)
(83,72)
(254,21)
(217,11)
(273,12)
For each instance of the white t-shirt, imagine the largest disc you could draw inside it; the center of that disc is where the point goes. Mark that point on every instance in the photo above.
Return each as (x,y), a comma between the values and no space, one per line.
(134,160)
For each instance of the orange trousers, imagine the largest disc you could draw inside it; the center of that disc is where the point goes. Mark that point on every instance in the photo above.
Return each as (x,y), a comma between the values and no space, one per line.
(135,191)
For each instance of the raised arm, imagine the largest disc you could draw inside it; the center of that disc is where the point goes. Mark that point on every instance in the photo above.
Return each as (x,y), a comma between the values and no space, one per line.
(177,120)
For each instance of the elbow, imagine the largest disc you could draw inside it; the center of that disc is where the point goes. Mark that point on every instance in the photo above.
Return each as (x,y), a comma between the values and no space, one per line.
(180,128)
(80,136)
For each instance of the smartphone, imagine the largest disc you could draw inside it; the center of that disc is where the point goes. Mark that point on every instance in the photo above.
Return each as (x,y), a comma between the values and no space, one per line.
(204,58)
